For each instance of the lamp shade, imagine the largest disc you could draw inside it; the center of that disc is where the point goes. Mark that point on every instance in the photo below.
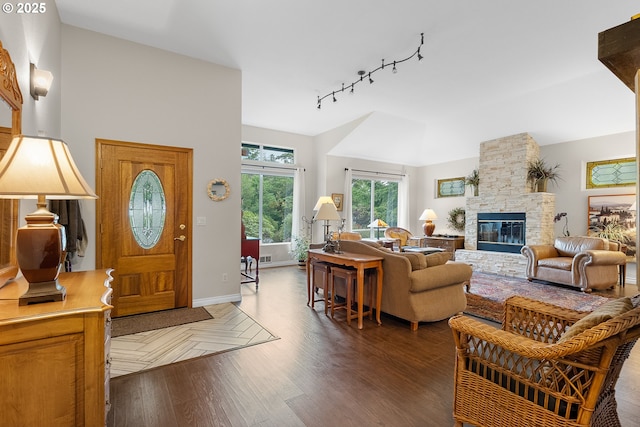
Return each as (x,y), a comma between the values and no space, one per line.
(321,201)
(378,223)
(328,212)
(35,166)
(41,168)
(428,214)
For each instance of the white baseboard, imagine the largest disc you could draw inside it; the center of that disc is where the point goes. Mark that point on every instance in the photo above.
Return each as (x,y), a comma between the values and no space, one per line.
(201,302)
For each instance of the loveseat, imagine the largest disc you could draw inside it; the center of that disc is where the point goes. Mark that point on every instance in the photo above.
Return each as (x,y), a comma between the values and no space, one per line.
(584,262)
(418,287)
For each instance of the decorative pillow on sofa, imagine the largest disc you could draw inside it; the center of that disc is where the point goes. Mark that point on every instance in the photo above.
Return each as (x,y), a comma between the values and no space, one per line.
(437,258)
(605,312)
(418,261)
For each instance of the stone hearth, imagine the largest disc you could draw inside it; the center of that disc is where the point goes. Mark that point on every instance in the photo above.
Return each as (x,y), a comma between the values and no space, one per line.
(504,188)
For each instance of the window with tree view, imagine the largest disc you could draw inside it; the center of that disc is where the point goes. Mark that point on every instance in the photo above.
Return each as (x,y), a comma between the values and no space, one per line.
(371,200)
(267,193)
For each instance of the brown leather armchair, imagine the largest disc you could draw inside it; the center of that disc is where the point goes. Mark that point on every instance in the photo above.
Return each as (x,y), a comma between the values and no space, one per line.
(584,262)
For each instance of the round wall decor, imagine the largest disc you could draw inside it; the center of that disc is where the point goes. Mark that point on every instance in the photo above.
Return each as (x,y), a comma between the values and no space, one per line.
(457,219)
(218,189)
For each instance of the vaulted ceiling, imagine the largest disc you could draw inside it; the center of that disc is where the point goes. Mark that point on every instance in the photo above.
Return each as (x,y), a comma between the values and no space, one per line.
(491,68)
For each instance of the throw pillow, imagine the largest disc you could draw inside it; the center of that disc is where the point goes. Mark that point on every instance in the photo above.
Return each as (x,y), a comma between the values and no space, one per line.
(437,258)
(418,261)
(605,312)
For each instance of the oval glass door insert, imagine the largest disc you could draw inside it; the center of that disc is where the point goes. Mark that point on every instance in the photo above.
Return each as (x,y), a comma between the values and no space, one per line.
(147,209)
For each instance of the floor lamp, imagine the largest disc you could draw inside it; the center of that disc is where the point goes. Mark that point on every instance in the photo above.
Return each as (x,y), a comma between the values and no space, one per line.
(40,168)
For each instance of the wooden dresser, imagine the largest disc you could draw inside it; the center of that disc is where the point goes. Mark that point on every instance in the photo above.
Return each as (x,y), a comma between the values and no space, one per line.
(54,368)
(449,244)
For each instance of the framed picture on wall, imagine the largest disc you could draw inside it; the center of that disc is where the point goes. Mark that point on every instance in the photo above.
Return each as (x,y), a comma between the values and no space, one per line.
(614,217)
(337,200)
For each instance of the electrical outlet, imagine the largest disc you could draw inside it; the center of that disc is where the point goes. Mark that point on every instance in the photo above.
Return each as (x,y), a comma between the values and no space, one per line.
(225,277)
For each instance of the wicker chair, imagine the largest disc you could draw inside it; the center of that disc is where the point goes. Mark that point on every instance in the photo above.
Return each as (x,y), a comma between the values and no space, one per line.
(521,375)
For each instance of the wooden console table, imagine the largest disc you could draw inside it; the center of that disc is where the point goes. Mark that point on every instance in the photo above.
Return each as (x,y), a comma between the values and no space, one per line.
(54,355)
(361,262)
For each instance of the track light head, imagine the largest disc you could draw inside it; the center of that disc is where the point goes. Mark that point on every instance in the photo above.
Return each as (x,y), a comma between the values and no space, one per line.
(370,79)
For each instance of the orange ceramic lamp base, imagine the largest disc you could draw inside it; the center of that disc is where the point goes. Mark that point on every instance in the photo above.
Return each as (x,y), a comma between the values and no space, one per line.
(428,227)
(40,251)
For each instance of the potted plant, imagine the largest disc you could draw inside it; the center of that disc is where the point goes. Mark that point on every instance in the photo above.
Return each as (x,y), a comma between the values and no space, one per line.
(299,249)
(539,173)
(473,180)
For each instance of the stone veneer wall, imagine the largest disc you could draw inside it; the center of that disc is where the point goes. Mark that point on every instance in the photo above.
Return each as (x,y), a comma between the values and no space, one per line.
(504,188)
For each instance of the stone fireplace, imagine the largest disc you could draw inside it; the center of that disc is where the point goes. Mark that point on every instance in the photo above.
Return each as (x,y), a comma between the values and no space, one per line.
(504,189)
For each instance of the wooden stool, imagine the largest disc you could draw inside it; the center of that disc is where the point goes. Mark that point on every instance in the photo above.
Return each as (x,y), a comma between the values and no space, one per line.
(350,277)
(319,279)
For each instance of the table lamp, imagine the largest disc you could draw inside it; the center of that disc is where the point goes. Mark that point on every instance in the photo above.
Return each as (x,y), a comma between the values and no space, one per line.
(377,223)
(427,216)
(327,212)
(41,168)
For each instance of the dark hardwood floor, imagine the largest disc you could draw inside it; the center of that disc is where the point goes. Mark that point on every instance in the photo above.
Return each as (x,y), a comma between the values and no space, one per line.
(320,373)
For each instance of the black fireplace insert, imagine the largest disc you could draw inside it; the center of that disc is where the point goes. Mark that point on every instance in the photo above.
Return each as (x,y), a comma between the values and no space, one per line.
(501,232)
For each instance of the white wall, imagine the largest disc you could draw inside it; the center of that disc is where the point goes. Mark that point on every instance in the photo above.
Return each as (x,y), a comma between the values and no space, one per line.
(35,39)
(427,192)
(571,195)
(115,89)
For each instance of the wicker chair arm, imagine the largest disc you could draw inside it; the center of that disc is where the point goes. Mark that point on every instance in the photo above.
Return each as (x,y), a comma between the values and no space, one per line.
(533,349)
(465,325)
(522,311)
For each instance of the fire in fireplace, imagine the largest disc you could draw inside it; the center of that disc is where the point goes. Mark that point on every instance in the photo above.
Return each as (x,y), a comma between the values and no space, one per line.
(501,232)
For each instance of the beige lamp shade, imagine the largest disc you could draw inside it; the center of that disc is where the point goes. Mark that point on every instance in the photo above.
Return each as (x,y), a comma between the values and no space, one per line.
(428,215)
(41,168)
(321,201)
(328,212)
(35,166)
(378,223)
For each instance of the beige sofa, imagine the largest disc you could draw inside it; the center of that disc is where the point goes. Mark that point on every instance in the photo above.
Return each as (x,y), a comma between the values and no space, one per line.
(584,262)
(417,287)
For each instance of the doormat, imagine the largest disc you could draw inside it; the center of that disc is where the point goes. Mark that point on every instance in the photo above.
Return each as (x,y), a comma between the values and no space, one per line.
(489,292)
(136,323)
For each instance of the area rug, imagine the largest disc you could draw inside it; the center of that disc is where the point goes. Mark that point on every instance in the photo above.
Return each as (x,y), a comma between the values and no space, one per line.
(489,292)
(157,320)
(229,329)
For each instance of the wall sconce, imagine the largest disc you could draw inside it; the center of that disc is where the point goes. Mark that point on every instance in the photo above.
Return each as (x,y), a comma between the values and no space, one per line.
(40,82)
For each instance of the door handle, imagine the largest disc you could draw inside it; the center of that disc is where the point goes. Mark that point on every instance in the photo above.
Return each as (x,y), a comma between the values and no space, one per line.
(181,238)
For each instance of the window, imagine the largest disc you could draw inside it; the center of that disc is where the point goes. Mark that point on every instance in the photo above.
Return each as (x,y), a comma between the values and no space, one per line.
(371,200)
(267,192)
(611,173)
(451,187)
(263,153)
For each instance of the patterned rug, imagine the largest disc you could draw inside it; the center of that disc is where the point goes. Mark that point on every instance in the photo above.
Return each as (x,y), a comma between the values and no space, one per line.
(489,292)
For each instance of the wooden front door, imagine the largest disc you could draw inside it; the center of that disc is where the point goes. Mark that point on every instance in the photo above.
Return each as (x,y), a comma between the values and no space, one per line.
(144,224)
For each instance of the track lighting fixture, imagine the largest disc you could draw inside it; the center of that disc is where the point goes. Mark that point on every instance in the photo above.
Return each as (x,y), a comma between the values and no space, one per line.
(362,73)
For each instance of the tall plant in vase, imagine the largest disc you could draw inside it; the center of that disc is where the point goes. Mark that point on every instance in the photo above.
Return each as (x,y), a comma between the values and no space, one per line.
(473,180)
(539,173)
